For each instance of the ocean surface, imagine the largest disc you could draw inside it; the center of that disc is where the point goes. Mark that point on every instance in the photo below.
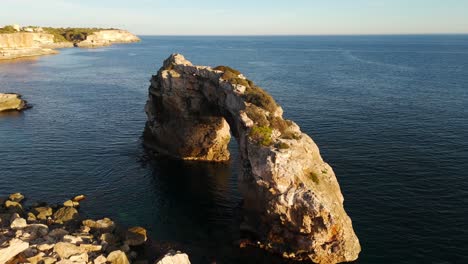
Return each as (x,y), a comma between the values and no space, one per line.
(389,113)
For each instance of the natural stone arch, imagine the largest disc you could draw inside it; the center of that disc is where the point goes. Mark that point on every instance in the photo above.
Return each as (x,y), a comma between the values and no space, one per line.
(191,111)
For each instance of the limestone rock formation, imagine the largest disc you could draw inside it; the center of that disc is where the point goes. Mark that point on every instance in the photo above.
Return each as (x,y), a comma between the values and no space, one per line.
(23,44)
(12,102)
(108,37)
(35,42)
(192,110)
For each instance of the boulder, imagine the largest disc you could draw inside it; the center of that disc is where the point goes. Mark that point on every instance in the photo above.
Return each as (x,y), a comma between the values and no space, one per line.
(12,102)
(36,259)
(135,236)
(65,214)
(18,223)
(174,258)
(71,203)
(118,257)
(49,260)
(45,246)
(100,260)
(16,197)
(104,225)
(13,206)
(79,198)
(66,250)
(15,247)
(43,212)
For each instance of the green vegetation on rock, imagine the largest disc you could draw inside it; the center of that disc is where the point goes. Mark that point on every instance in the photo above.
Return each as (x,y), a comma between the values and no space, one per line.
(70,34)
(253,94)
(261,135)
(7,29)
(314,177)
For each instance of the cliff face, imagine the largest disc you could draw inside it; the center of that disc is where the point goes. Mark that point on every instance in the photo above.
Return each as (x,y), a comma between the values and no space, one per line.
(12,102)
(24,44)
(25,40)
(108,37)
(295,195)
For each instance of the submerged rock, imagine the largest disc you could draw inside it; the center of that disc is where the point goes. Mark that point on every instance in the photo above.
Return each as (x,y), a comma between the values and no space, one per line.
(191,112)
(10,102)
(136,236)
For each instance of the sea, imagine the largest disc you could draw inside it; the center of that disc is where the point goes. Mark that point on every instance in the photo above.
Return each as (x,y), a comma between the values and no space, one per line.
(389,113)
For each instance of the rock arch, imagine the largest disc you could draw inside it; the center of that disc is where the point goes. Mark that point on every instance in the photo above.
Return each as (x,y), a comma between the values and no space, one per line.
(192,110)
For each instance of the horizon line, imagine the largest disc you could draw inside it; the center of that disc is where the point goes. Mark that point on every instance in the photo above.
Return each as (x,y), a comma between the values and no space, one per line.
(298,35)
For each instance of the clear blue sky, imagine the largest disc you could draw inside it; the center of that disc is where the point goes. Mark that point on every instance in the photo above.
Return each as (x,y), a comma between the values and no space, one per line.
(245,17)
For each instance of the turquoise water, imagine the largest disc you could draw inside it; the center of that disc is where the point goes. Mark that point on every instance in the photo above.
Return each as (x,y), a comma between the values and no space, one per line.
(388,112)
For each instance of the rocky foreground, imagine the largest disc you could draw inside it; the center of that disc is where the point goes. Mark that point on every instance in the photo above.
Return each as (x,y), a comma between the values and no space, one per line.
(47,234)
(12,102)
(294,195)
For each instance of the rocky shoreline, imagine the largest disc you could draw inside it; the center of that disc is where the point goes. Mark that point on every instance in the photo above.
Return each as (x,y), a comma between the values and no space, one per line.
(37,43)
(47,234)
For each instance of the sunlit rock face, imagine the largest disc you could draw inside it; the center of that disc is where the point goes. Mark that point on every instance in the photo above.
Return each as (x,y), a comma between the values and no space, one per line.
(192,110)
(108,37)
(9,102)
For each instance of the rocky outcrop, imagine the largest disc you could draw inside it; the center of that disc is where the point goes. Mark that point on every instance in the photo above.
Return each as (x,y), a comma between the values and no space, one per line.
(18,45)
(107,37)
(25,237)
(10,102)
(28,44)
(191,112)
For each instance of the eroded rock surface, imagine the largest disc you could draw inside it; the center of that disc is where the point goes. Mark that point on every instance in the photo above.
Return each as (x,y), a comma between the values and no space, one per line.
(108,37)
(12,102)
(29,43)
(192,110)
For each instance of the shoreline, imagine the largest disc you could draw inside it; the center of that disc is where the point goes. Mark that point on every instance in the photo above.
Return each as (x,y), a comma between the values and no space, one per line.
(33,44)
(56,233)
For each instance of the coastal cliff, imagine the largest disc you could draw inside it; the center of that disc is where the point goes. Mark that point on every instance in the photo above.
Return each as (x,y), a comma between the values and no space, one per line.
(22,44)
(12,102)
(192,110)
(108,37)
(38,41)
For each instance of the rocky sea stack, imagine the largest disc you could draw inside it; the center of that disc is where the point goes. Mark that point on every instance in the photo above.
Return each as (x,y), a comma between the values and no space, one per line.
(192,112)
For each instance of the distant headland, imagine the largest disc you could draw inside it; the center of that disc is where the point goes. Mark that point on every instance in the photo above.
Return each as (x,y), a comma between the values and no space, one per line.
(17,41)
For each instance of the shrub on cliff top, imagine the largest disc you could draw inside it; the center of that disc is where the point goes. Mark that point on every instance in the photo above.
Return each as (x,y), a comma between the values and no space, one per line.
(257,115)
(70,34)
(257,96)
(253,94)
(7,30)
(227,69)
(261,135)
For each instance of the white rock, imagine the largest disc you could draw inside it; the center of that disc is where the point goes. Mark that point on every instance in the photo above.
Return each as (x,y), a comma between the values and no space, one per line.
(18,223)
(15,247)
(174,258)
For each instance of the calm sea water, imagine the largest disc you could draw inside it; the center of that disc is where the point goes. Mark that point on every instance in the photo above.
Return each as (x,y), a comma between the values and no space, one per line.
(388,112)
